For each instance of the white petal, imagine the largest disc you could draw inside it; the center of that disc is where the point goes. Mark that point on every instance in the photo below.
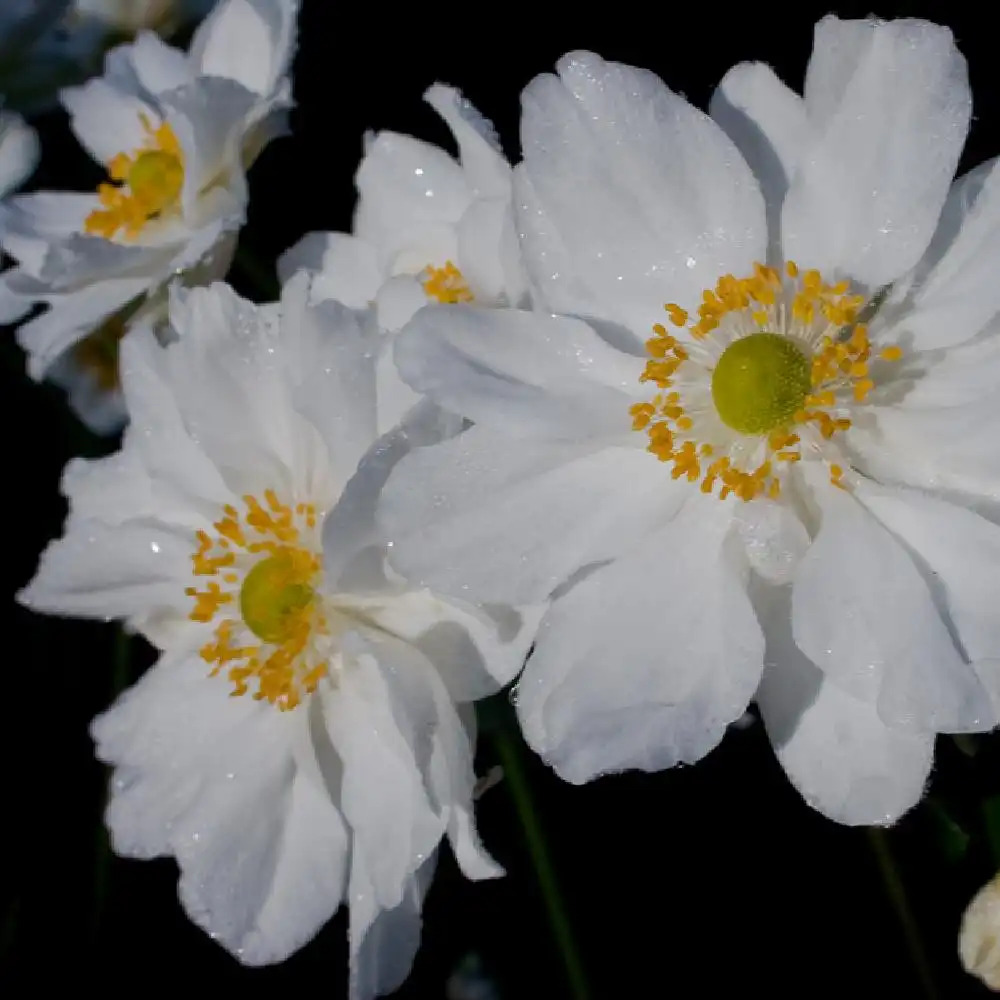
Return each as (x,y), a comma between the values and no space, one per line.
(262,854)
(483,233)
(835,749)
(383,943)
(345,267)
(410,196)
(121,572)
(487,171)
(236,396)
(961,552)
(158,67)
(106,120)
(72,317)
(863,614)
(960,294)
(249,41)
(943,448)
(19,151)
(441,747)
(399,299)
(210,122)
(645,662)
(774,538)
(475,650)
(174,462)
(628,197)
(861,205)
(333,353)
(768,123)
(382,796)
(496,518)
(349,529)
(530,374)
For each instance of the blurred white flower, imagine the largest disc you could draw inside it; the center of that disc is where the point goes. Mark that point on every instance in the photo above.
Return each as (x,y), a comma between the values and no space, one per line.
(979,937)
(176,133)
(784,499)
(297,745)
(427,228)
(49,44)
(128,17)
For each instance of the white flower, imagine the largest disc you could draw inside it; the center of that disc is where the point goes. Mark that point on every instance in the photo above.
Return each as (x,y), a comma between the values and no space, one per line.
(802,512)
(426,228)
(297,744)
(131,16)
(979,937)
(176,132)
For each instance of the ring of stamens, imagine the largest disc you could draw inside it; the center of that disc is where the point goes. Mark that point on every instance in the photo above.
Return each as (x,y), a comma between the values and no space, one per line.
(261,594)
(446,285)
(760,431)
(148,185)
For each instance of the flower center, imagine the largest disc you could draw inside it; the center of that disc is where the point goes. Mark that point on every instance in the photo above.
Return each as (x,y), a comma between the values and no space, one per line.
(275,593)
(148,185)
(760,383)
(269,621)
(446,284)
(770,372)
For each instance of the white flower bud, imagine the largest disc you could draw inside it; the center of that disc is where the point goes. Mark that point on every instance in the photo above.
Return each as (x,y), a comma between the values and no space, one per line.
(979,937)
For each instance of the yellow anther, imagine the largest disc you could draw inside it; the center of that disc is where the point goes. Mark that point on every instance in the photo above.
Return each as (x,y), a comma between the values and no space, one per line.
(791,377)
(264,625)
(446,284)
(148,185)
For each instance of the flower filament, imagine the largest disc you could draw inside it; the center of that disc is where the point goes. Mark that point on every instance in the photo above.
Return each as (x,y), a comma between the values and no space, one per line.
(262,597)
(148,185)
(771,364)
(446,284)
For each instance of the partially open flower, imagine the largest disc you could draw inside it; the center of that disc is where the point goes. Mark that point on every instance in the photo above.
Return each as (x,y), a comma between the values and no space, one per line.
(427,228)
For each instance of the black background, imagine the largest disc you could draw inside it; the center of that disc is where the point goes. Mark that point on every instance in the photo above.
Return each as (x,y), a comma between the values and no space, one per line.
(708,881)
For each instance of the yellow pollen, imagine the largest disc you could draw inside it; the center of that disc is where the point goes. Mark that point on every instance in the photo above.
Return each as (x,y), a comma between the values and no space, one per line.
(787,360)
(446,284)
(264,627)
(760,382)
(148,185)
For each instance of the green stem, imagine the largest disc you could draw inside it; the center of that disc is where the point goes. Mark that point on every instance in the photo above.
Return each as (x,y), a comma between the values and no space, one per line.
(896,891)
(509,750)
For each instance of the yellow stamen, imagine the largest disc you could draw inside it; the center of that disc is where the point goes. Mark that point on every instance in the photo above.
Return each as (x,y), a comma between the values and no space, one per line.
(446,284)
(788,360)
(264,628)
(148,185)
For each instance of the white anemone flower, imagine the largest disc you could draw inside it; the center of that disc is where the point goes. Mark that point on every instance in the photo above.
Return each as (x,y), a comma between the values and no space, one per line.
(298,743)
(979,936)
(176,132)
(789,494)
(427,228)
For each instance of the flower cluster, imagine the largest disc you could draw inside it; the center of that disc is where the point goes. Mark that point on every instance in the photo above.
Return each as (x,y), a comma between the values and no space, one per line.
(679,413)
